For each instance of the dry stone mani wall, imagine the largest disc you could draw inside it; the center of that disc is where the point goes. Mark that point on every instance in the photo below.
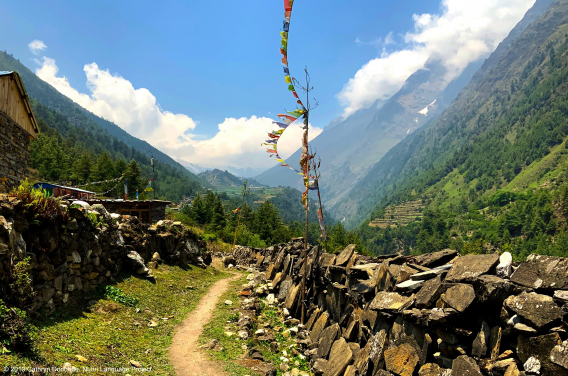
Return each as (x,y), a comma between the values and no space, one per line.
(428,315)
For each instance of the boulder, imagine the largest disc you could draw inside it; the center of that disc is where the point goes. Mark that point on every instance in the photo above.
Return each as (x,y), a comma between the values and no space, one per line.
(460,296)
(505,262)
(432,369)
(495,342)
(339,358)
(137,264)
(538,310)
(543,272)
(345,255)
(372,352)
(401,360)
(319,326)
(435,259)
(465,366)
(429,293)
(492,289)
(391,302)
(540,348)
(481,342)
(559,355)
(292,297)
(82,204)
(326,339)
(467,268)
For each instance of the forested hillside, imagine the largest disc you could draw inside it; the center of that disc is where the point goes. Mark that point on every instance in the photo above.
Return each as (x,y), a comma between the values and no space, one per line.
(224,179)
(75,143)
(493,168)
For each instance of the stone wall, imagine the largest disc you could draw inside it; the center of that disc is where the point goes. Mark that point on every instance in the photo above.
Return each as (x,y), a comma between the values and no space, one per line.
(437,314)
(80,247)
(14,153)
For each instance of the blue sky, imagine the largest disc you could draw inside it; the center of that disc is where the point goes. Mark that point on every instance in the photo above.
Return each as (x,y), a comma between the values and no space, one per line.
(212,60)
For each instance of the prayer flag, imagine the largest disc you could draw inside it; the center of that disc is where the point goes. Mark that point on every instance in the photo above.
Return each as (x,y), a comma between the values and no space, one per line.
(288,79)
(284,116)
(281,125)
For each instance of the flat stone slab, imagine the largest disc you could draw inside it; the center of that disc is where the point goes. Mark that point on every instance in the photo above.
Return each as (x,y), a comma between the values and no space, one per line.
(538,310)
(465,366)
(460,296)
(339,358)
(543,272)
(436,258)
(469,267)
(541,348)
(429,293)
(559,354)
(345,255)
(410,285)
(391,301)
(401,360)
(327,337)
(319,325)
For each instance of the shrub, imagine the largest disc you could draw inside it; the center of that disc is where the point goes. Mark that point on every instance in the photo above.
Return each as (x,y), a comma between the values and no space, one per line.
(15,328)
(119,296)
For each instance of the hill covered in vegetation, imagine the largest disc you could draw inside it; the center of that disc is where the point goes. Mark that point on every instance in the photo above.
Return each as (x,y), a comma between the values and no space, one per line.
(492,170)
(77,147)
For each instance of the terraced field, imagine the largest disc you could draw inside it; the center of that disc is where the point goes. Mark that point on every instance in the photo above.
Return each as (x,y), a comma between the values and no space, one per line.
(399,215)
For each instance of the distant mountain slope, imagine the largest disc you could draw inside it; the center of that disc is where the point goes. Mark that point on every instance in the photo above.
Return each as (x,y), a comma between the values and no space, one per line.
(510,115)
(350,148)
(79,117)
(224,179)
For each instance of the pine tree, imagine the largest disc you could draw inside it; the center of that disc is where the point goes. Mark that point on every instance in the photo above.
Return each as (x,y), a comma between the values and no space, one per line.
(199,210)
(218,218)
(132,176)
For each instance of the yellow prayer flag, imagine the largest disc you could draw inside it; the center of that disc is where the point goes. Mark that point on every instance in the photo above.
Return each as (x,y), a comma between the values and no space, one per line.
(288,79)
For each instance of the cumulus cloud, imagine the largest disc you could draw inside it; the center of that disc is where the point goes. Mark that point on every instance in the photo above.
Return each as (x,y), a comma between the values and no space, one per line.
(36,46)
(464,32)
(112,97)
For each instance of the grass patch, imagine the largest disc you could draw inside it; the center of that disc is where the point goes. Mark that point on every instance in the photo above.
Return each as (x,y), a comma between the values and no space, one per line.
(108,334)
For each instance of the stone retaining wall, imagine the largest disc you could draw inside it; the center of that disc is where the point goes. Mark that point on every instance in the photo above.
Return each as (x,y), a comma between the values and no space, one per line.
(83,247)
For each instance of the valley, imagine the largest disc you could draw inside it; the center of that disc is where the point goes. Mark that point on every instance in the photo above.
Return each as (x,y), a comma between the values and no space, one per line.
(422,232)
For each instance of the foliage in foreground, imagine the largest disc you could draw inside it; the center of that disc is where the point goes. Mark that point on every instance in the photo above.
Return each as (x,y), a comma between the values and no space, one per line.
(107,334)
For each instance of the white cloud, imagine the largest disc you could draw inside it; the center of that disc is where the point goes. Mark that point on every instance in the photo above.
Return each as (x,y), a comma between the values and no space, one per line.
(36,46)
(378,42)
(464,32)
(236,144)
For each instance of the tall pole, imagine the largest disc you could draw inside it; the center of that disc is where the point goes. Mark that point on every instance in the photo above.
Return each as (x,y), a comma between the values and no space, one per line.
(236,230)
(307,182)
(321,208)
(153,176)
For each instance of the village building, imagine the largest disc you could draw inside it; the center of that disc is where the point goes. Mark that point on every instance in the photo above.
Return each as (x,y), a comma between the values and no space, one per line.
(147,211)
(62,191)
(17,127)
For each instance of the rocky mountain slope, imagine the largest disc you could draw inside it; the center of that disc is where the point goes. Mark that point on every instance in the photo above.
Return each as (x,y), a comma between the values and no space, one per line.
(350,148)
(488,105)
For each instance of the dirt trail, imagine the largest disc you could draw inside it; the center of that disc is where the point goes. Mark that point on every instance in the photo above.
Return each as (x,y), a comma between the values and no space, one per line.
(186,358)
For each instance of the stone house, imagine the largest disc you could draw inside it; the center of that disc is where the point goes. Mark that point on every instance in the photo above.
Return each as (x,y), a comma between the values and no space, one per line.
(17,127)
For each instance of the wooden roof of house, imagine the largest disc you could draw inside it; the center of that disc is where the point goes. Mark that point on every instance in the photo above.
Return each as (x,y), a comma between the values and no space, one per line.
(14,102)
